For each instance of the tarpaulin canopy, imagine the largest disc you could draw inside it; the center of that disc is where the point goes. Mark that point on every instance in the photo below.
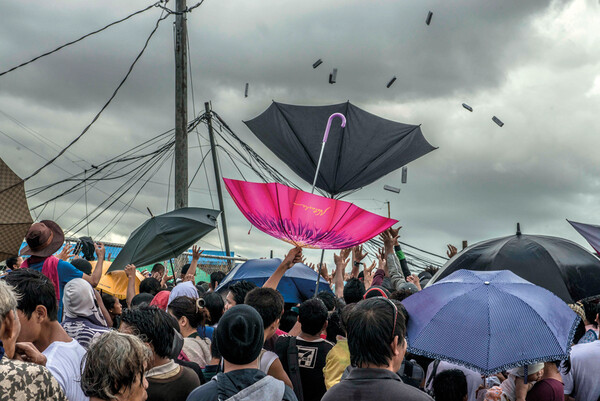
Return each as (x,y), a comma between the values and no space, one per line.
(367,148)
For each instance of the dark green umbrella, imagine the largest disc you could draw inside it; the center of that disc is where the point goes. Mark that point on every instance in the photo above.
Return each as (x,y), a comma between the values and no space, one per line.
(165,236)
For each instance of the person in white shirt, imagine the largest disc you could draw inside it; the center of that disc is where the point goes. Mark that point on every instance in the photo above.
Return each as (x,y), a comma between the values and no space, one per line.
(37,310)
(474,379)
(581,381)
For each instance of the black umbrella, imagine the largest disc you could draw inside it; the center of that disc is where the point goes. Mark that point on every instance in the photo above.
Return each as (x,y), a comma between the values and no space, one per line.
(367,148)
(165,236)
(556,264)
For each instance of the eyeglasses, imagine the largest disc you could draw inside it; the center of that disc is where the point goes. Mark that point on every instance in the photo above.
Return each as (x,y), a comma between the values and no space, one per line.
(395,315)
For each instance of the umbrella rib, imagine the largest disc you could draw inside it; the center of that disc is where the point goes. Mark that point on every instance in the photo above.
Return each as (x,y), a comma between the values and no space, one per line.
(555,266)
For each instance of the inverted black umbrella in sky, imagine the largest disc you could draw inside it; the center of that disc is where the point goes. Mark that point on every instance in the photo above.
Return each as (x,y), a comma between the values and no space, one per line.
(367,148)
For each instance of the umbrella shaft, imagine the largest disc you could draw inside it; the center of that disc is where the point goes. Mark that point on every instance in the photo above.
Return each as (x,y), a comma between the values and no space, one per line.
(319,272)
(317,171)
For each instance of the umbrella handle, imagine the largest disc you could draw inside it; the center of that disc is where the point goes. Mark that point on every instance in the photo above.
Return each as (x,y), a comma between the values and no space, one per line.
(331,117)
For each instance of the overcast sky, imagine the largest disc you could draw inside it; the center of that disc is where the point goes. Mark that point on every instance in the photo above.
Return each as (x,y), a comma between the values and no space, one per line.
(534,64)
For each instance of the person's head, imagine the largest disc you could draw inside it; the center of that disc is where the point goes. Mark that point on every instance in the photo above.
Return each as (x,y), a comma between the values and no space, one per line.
(215,306)
(150,286)
(82,265)
(401,295)
(114,368)
(184,270)
(112,304)
(240,335)
(328,299)
(312,315)
(237,293)
(354,290)
(79,301)
(152,326)
(376,330)
(36,302)
(14,262)
(591,313)
(376,291)
(189,313)
(450,385)
(344,317)
(9,322)
(200,288)
(143,298)
(288,320)
(158,271)
(269,305)
(215,279)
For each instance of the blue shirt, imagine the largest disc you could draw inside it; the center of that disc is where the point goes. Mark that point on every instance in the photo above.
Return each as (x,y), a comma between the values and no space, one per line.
(66,273)
(206,332)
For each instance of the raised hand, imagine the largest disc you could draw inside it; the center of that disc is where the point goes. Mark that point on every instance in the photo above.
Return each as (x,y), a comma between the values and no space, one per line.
(345,253)
(413,278)
(196,252)
(130,271)
(340,260)
(100,250)
(451,251)
(324,272)
(65,254)
(358,254)
(294,256)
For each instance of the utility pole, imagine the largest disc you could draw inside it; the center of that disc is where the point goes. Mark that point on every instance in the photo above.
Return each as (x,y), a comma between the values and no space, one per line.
(213,149)
(181,137)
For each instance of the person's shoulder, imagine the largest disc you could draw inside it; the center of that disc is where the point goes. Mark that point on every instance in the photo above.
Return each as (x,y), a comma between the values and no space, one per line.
(289,395)
(206,392)
(12,367)
(188,375)
(411,393)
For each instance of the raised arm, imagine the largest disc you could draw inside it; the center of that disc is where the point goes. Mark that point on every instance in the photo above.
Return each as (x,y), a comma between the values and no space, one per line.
(130,272)
(294,256)
(94,279)
(341,261)
(191,274)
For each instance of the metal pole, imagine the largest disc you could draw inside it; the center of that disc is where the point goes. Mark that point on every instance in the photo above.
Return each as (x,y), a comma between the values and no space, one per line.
(181,142)
(213,149)
(389,214)
(319,272)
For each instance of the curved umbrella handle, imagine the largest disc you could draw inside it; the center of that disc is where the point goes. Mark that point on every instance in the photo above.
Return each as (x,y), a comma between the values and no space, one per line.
(331,117)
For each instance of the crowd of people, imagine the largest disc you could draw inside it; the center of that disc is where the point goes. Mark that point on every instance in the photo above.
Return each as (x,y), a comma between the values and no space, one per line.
(175,339)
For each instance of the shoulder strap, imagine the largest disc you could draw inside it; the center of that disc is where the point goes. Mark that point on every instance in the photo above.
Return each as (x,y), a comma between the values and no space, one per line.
(433,372)
(294,368)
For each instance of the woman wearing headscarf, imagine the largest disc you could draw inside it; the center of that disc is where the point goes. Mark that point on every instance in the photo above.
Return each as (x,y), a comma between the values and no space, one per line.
(190,315)
(83,318)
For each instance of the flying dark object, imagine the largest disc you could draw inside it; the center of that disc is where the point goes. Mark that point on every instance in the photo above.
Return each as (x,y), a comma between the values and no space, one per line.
(497,121)
(317,63)
(391,189)
(391,82)
(333,76)
(466,106)
(246,91)
(404,174)
(429,16)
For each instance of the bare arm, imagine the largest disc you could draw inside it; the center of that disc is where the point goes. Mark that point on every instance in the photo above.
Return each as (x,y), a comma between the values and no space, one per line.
(191,274)
(341,262)
(109,322)
(94,279)
(130,272)
(276,370)
(294,256)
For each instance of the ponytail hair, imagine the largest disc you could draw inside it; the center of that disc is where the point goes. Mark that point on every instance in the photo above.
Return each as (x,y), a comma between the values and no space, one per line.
(191,308)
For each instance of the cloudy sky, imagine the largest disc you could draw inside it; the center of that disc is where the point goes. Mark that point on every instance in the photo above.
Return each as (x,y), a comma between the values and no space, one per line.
(535,64)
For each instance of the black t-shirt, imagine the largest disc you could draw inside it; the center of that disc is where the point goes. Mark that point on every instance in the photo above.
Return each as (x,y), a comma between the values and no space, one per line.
(175,388)
(311,361)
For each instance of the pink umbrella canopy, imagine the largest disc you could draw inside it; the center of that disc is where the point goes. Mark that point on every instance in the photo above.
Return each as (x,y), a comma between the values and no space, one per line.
(305,219)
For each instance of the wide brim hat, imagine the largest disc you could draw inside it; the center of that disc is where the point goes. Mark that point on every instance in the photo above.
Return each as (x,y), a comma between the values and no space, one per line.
(43,239)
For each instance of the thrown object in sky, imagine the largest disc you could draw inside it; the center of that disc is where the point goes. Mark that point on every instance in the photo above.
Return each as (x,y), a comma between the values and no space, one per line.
(404,174)
(246,91)
(391,82)
(497,121)
(466,106)
(317,63)
(429,16)
(391,189)
(333,76)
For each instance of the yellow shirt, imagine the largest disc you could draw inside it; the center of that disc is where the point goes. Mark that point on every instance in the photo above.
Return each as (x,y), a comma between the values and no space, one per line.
(338,359)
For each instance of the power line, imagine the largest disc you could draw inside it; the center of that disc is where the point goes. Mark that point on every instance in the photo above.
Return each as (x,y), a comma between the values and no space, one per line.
(157,4)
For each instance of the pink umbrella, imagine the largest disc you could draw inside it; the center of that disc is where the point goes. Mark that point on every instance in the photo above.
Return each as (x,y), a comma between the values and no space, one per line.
(305,219)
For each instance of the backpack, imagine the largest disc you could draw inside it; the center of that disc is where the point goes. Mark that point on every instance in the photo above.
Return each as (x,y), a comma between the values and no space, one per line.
(411,373)
(294,368)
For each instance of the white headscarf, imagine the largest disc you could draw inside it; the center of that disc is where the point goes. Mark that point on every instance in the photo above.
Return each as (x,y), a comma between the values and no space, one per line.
(79,302)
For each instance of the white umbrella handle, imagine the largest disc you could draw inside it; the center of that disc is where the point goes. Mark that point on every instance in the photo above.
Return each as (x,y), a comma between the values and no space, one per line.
(331,117)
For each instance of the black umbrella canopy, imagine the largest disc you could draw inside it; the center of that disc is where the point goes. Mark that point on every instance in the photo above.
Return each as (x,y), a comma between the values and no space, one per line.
(556,264)
(165,236)
(368,148)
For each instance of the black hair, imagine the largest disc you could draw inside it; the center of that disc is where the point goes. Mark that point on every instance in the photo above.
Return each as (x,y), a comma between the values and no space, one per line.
(401,295)
(11,262)
(108,301)
(591,311)
(185,269)
(215,305)
(240,289)
(267,302)
(214,350)
(371,331)
(288,320)
(34,289)
(143,298)
(354,291)
(200,289)
(345,316)
(450,385)
(376,291)
(82,265)
(579,332)
(158,268)
(150,285)
(151,325)
(190,308)
(312,316)
(328,299)
(216,278)
(334,325)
